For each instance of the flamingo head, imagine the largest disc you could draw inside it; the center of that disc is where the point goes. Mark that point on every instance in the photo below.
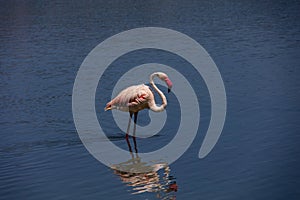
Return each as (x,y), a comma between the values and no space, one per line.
(164,77)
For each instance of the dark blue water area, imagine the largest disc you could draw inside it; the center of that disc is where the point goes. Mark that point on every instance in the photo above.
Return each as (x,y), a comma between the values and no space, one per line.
(256,46)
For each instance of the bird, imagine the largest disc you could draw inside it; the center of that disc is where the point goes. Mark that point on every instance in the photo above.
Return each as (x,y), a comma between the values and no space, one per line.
(138,97)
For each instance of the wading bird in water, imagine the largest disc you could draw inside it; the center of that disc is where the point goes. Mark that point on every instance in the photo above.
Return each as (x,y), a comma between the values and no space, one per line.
(139,97)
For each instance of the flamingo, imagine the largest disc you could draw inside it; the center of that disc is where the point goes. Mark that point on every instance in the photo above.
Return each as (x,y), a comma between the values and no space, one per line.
(139,97)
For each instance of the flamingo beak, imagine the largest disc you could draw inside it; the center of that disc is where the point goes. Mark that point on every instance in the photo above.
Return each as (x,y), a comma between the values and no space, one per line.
(169,84)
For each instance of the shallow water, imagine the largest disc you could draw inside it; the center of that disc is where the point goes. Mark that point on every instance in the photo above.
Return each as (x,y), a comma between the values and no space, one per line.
(255,46)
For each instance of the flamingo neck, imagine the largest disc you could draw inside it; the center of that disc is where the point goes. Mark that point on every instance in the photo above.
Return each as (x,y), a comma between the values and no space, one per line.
(152,104)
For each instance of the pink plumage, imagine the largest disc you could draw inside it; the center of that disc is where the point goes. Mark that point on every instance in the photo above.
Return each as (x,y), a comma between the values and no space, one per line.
(139,97)
(132,99)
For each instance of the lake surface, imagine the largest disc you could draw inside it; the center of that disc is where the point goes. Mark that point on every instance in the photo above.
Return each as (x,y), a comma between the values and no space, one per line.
(256,47)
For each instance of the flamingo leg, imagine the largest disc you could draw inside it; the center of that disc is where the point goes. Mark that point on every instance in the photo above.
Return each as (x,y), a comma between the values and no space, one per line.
(134,129)
(127,132)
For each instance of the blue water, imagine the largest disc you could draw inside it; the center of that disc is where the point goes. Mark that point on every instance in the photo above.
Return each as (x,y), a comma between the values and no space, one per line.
(255,45)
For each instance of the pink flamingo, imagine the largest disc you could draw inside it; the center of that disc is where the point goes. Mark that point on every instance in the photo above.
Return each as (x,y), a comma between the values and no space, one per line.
(139,97)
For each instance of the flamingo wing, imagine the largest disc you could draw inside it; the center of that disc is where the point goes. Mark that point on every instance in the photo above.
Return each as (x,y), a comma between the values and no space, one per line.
(133,98)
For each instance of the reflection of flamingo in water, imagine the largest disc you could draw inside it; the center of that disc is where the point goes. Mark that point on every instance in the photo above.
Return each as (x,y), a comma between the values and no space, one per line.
(139,97)
(143,177)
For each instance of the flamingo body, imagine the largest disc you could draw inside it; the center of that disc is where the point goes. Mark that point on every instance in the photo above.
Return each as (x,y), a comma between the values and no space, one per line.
(132,99)
(138,97)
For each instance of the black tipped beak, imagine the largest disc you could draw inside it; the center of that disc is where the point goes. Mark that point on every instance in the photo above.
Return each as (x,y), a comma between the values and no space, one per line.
(169,90)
